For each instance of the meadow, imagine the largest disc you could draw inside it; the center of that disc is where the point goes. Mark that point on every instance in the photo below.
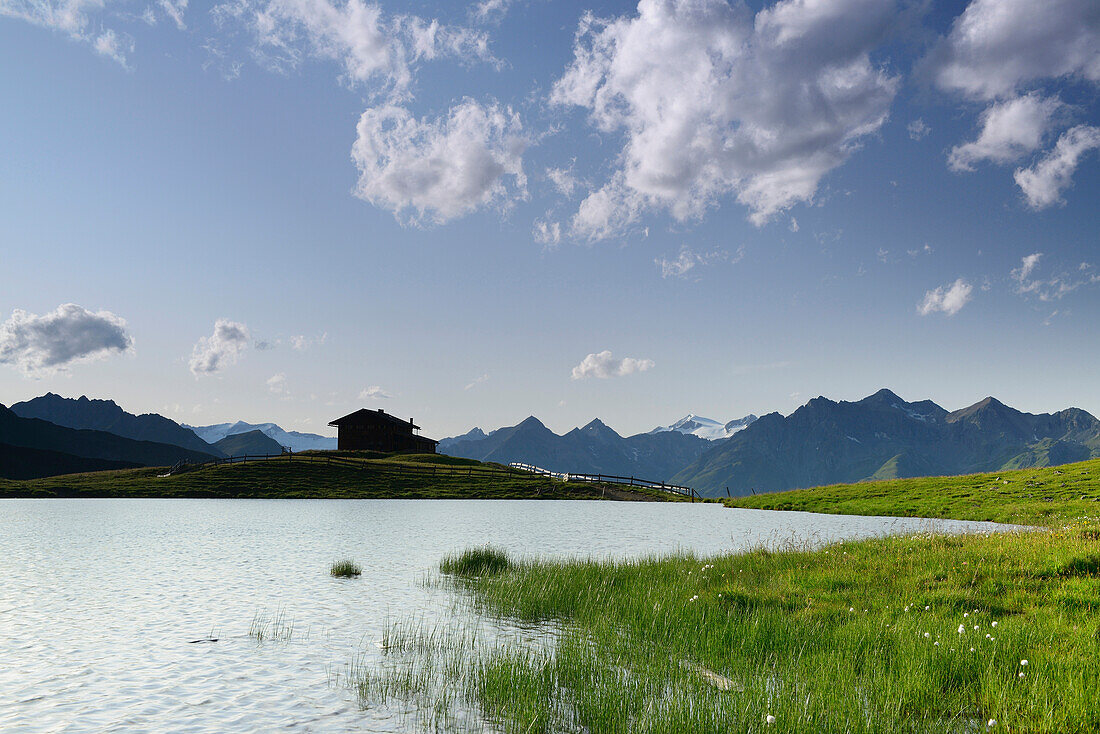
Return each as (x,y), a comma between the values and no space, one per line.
(920,633)
(349,475)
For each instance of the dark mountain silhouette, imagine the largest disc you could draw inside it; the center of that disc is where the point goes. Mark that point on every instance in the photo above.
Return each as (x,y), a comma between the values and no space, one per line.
(594,449)
(19,462)
(885,437)
(252,443)
(34,433)
(105,415)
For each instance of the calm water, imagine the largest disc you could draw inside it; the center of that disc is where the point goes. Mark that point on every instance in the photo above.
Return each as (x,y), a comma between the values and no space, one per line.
(100,598)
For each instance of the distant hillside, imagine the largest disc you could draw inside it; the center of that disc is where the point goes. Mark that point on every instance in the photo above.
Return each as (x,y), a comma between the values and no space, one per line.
(40,435)
(253,443)
(105,415)
(594,449)
(19,462)
(884,437)
(295,440)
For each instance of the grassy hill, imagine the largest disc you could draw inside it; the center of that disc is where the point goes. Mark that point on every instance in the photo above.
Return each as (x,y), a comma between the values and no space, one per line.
(1043,496)
(344,475)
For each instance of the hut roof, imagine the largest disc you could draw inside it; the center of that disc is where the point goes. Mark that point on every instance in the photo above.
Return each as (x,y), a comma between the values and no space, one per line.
(364,416)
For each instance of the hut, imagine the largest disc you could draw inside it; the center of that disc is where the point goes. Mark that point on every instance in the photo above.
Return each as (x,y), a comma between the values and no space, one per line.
(376,430)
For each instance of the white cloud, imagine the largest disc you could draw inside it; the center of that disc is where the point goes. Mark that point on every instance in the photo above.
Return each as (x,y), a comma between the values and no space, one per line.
(546,232)
(80,20)
(713,101)
(563,179)
(374,392)
(175,11)
(276,384)
(1054,287)
(1044,182)
(688,259)
(370,47)
(918,129)
(477,381)
(1010,130)
(793,225)
(41,345)
(925,250)
(301,342)
(490,11)
(443,168)
(603,366)
(220,350)
(998,46)
(947,299)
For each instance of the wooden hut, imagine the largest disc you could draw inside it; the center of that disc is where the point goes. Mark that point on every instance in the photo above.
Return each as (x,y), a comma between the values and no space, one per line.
(376,430)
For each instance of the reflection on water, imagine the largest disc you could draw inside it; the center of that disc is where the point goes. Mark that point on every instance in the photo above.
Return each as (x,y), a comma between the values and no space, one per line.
(101,600)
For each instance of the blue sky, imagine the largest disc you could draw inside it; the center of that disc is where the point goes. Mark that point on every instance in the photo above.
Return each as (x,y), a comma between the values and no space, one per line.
(468,213)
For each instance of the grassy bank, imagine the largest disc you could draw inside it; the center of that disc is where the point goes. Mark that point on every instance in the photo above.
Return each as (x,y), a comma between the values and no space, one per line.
(353,477)
(908,634)
(1046,496)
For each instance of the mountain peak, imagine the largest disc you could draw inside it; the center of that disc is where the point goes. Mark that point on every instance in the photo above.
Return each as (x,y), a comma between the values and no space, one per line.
(884,395)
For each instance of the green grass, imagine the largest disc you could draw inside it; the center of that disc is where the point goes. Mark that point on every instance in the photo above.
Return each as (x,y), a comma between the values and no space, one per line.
(855,637)
(1046,496)
(345,569)
(369,475)
(266,627)
(475,562)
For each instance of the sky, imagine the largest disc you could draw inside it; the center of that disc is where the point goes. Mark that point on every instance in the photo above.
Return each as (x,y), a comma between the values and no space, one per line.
(468,213)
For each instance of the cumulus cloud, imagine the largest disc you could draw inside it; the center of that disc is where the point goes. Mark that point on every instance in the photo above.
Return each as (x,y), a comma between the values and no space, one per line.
(443,168)
(1010,130)
(276,384)
(995,51)
(41,345)
(688,259)
(1044,182)
(374,392)
(998,46)
(603,366)
(714,101)
(301,342)
(947,299)
(221,349)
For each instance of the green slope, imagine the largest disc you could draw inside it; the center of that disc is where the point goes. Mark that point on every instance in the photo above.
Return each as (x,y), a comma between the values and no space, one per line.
(1045,496)
(315,476)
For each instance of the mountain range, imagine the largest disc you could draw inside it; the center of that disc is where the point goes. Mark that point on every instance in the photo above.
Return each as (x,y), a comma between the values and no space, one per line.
(593,449)
(31,447)
(295,440)
(823,442)
(105,415)
(885,437)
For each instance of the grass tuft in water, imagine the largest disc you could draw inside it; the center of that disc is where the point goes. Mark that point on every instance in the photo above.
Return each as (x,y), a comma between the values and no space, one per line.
(267,627)
(476,562)
(345,569)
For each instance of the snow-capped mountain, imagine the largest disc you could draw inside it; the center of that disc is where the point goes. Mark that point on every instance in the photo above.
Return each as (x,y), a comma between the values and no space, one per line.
(295,440)
(708,428)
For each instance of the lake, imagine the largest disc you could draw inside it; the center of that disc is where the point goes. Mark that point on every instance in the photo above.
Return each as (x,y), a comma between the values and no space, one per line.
(100,600)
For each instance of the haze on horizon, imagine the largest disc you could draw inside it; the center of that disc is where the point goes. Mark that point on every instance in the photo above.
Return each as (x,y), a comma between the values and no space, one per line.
(267,210)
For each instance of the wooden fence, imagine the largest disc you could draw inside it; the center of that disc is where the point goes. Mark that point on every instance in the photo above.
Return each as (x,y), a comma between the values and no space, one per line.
(611,478)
